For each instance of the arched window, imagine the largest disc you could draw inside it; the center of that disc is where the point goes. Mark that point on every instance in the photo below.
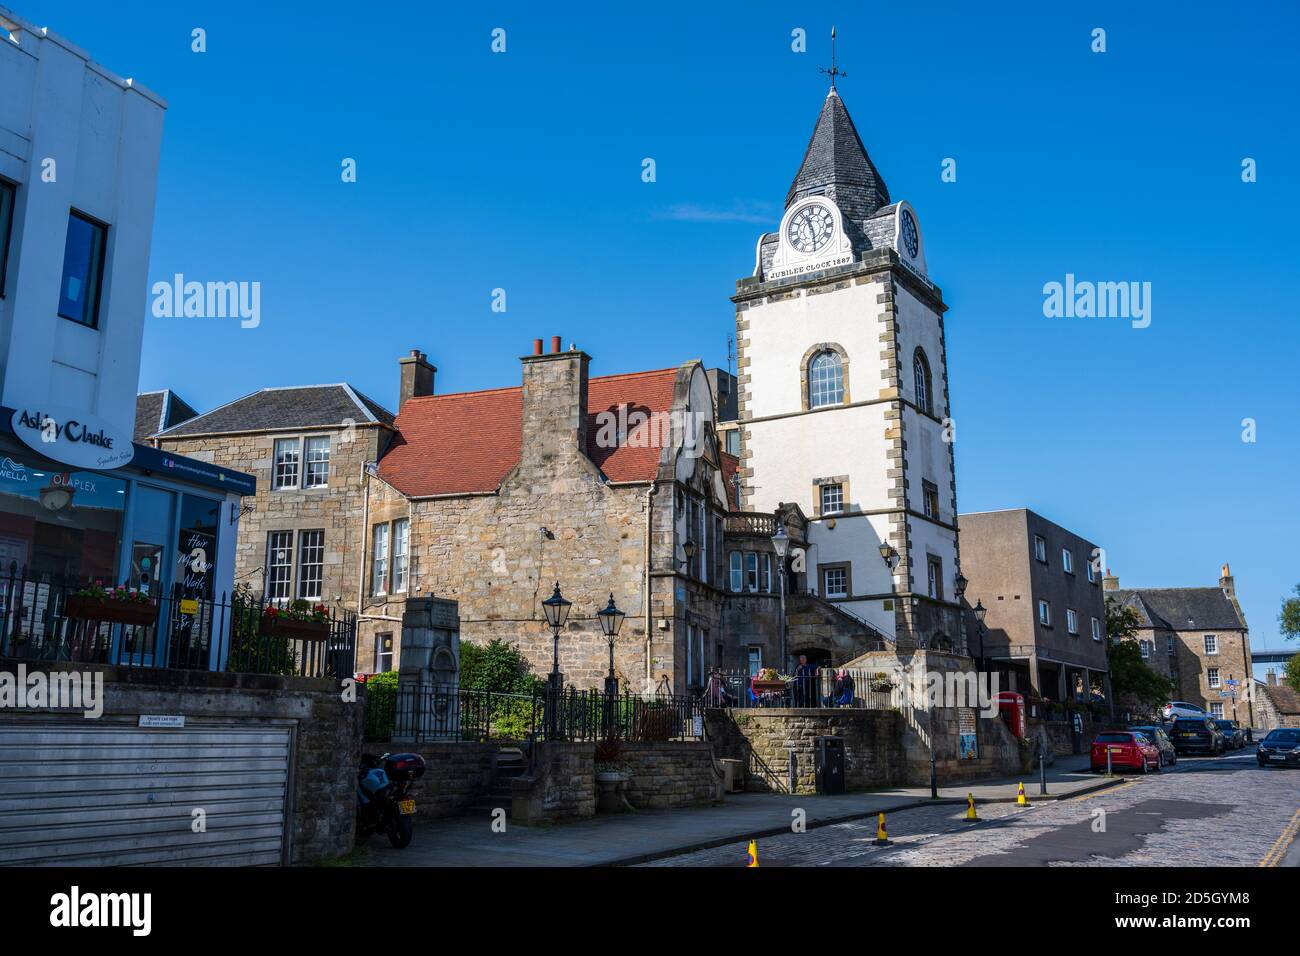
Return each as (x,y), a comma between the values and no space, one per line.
(921,377)
(825,380)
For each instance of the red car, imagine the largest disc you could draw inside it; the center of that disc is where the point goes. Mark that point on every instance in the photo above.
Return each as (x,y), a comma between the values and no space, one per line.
(1127,749)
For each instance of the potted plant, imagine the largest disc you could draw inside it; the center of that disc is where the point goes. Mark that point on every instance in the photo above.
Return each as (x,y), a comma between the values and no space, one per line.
(611,776)
(298,620)
(881,683)
(767,680)
(115,604)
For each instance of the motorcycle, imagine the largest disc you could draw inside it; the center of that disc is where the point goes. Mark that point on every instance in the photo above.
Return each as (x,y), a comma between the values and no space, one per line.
(383,801)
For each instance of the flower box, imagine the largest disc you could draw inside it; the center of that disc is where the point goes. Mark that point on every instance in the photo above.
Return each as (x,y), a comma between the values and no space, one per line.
(294,630)
(111,610)
(768,686)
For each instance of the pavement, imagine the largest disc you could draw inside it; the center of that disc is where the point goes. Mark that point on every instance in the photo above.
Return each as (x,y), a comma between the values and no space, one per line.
(631,838)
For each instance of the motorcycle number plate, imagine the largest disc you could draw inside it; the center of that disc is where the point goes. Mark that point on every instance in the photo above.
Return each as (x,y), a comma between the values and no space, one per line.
(406,807)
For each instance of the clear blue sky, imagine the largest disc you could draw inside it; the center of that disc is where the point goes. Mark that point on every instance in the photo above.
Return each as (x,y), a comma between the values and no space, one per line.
(522,171)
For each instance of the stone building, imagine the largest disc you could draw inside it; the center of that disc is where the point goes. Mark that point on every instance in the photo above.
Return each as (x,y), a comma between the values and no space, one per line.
(1276,705)
(1045,627)
(1198,638)
(843,392)
(299,536)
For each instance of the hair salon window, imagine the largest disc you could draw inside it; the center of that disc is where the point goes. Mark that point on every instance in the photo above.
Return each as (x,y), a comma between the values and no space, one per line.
(60,524)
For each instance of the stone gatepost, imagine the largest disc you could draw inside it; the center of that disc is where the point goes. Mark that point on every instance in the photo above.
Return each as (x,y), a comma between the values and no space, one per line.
(429,672)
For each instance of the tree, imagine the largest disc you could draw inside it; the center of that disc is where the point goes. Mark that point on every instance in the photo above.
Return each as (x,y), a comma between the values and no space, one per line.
(1291,676)
(1289,617)
(1133,683)
(497,667)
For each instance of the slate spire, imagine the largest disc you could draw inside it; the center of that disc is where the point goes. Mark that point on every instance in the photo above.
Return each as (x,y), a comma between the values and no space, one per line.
(836,165)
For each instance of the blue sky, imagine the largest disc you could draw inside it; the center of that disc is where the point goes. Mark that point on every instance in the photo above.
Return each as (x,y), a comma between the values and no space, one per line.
(521,171)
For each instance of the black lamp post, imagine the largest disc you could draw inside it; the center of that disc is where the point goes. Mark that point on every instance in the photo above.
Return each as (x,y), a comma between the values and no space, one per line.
(556,608)
(959,590)
(889,555)
(980,612)
(611,619)
(688,549)
(780,544)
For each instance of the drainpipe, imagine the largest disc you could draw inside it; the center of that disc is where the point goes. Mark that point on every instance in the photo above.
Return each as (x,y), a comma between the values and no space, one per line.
(365,534)
(649,617)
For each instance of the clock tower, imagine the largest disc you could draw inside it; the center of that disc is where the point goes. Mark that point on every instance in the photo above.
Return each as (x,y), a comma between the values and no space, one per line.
(843,393)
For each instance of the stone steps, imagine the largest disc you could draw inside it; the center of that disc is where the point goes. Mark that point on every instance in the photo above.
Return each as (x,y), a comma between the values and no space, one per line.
(510,764)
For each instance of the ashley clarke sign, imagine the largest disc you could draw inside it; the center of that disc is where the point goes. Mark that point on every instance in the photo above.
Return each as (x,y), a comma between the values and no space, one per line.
(73,438)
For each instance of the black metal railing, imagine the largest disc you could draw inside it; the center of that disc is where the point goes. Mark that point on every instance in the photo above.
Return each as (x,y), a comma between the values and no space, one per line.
(416,714)
(854,687)
(49,619)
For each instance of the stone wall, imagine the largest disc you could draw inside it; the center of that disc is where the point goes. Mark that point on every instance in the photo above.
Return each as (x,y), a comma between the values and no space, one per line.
(326,730)
(672,774)
(1276,705)
(456,774)
(561,785)
(873,755)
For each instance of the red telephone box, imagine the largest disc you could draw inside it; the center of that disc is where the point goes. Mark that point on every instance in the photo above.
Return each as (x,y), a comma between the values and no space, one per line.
(1012,708)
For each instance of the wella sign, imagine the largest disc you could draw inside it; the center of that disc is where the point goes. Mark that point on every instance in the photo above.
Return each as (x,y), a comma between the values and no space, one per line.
(74,438)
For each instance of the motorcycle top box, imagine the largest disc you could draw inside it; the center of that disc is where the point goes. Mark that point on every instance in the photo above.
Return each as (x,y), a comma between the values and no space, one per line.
(404,766)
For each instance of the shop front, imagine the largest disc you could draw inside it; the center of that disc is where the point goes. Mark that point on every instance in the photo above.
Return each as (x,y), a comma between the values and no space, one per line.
(160,527)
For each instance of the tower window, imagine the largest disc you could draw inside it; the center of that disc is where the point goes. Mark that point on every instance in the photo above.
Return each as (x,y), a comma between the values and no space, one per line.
(921,377)
(825,380)
(832,499)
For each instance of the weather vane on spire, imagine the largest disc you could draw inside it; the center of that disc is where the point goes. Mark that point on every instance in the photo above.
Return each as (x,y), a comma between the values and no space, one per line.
(834,71)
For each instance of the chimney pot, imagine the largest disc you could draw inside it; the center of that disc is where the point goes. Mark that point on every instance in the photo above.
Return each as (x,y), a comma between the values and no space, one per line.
(555,344)
(537,346)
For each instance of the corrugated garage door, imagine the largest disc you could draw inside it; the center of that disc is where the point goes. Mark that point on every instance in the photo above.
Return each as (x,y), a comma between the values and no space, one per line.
(72,795)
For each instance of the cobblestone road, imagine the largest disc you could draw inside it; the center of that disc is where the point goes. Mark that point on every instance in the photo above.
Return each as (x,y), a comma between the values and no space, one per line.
(1223,811)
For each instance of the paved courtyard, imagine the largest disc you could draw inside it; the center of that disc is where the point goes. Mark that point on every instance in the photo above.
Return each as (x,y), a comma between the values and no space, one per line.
(1204,812)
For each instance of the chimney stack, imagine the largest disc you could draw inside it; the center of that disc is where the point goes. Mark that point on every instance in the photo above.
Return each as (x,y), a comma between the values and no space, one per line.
(1226,582)
(1109,582)
(1271,677)
(417,377)
(554,413)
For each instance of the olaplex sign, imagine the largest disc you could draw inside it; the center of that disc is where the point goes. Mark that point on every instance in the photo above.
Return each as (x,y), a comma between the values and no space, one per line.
(73,438)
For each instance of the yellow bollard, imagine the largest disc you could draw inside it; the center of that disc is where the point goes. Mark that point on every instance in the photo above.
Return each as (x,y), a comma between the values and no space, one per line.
(753,854)
(1021,801)
(971,816)
(882,836)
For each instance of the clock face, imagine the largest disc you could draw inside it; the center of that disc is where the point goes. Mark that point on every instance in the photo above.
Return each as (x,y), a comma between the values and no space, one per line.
(908,229)
(810,228)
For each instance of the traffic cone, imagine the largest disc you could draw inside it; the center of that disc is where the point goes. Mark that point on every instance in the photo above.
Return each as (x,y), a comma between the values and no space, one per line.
(1021,801)
(971,816)
(882,837)
(753,854)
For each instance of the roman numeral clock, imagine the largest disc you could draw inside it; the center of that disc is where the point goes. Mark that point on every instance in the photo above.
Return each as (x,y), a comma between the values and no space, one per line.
(812,238)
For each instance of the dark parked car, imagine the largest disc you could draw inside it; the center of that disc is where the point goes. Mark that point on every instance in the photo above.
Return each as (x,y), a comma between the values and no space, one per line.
(1197,735)
(1280,747)
(1157,735)
(1233,735)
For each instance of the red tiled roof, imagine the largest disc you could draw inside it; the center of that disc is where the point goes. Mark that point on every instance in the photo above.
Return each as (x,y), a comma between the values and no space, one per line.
(467,442)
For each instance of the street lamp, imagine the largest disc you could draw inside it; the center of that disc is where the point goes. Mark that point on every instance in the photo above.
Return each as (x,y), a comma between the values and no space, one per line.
(888,555)
(980,612)
(780,544)
(556,608)
(688,549)
(611,619)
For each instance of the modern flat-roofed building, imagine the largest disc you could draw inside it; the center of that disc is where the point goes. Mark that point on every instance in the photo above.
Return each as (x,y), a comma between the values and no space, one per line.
(1045,630)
